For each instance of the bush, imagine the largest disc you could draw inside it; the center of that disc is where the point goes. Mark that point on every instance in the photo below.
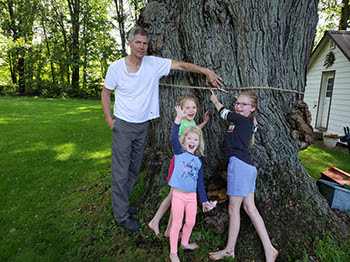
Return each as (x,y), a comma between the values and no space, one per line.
(9,90)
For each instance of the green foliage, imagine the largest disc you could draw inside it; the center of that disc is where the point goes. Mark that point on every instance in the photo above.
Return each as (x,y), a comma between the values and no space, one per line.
(8,90)
(330,12)
(327,249)
(65,50)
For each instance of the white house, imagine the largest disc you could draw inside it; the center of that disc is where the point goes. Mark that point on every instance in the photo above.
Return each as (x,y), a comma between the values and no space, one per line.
(327,90)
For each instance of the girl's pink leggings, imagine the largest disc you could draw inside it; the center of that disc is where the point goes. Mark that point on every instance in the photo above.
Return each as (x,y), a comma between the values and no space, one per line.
(182,203)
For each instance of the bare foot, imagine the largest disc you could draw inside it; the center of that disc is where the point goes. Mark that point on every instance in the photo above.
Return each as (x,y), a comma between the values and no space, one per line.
(154,227)
(271,255)
(174,258)
(190,246)
(221,254)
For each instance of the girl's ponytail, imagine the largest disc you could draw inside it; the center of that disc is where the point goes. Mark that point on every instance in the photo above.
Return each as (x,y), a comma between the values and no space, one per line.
(254,101)
(251,141)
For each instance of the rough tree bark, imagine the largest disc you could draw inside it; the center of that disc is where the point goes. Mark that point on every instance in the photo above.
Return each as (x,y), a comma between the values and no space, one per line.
(248,43)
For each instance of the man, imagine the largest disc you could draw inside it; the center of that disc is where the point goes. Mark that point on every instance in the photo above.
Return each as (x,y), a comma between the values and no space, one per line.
(135,80)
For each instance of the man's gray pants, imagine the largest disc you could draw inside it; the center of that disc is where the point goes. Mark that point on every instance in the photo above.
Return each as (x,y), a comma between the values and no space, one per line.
(128,144)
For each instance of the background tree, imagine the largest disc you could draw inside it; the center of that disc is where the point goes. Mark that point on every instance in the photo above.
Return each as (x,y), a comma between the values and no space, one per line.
(75,7)
(334,15)
(57,48)
(17,18)
(126,17)
(345,15)
(248,43)
(62,48)
(44,21)
(98,46)
(121,18)
(136,6)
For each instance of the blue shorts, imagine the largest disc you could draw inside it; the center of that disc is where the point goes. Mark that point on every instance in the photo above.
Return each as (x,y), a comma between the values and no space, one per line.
(241,178)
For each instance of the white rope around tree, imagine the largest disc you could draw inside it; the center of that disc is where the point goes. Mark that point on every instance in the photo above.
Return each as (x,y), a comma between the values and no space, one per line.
(238,88)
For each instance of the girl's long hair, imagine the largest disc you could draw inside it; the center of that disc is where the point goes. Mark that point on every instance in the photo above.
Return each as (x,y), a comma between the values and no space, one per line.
(197,130)
(254,103)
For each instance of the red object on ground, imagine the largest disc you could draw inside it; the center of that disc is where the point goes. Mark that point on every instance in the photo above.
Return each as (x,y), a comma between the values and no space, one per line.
(336,175)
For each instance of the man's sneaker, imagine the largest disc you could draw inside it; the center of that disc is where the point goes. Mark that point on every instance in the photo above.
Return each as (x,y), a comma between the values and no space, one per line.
(130,224)
(132,210)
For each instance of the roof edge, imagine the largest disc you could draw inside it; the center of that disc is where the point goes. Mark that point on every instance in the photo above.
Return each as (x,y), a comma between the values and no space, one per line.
(329,32)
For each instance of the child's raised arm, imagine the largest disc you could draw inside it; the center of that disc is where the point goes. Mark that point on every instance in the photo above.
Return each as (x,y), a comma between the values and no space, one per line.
(179,115)
(215,100)
(205,121)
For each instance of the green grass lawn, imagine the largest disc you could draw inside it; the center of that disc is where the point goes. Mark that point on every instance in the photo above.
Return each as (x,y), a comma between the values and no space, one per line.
(55,202)
(317,159)
(53,153)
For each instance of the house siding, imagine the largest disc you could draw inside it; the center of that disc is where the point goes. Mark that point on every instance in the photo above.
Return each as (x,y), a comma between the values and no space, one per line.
(339,114)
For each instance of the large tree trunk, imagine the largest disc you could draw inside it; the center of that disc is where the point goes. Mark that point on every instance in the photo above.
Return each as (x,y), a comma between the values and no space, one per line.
(248,43)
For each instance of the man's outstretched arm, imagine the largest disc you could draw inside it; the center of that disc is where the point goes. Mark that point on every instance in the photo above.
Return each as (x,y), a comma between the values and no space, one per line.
(211,77)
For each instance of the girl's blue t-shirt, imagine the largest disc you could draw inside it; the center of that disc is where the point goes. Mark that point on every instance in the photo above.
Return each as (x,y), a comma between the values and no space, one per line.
(188,168)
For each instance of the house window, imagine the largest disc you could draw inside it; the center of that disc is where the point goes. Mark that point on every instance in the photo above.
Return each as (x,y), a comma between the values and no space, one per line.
(329,87)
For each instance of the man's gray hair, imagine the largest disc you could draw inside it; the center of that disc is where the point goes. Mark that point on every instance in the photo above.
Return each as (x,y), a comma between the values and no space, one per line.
(137,31)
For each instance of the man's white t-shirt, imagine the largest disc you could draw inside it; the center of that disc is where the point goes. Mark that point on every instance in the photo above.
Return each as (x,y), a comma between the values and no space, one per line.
(137,94)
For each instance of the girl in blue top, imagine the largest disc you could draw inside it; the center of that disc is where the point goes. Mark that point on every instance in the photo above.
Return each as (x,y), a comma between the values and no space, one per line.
(241,174)
(189,104)
(187,177)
